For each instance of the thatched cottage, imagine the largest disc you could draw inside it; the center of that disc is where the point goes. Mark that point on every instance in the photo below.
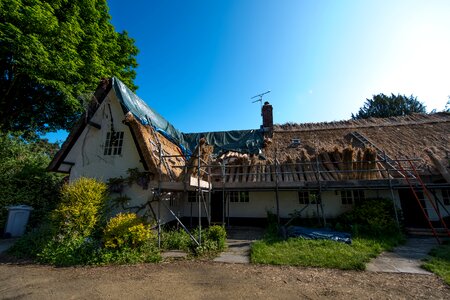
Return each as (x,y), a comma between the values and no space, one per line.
(309,170)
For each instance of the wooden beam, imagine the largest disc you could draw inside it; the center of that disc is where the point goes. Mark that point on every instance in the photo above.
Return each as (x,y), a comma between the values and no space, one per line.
(95,125)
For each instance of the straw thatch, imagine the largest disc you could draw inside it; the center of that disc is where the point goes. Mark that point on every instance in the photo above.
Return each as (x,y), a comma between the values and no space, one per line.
(397,137)
(150,141)
(205,159)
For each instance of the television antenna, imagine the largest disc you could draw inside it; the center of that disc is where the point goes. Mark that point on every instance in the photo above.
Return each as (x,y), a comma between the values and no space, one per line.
(260,98)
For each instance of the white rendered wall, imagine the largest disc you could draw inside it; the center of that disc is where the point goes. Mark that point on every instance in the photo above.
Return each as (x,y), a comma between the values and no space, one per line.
(262,202)
(90,161)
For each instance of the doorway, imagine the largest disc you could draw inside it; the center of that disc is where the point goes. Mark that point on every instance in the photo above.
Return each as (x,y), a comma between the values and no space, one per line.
(412,213)
(217,207)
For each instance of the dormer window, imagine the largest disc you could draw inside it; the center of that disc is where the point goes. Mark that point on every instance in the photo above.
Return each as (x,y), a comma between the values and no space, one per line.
(114,142)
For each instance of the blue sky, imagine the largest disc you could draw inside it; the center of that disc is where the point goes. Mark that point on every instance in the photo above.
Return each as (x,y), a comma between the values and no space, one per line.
(200,62)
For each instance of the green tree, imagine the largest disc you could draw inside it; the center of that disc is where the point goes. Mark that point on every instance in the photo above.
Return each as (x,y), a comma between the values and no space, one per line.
(24,178)
(51,52)
(382,106)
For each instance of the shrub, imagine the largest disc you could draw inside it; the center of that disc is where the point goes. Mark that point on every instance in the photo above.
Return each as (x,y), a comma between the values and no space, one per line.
(373,217)
(146,253)
(69,250)
(81,207)
(126,230)
(176,240)
(213,241)
(24,178)
(218,235)
(32,243)
(74,221)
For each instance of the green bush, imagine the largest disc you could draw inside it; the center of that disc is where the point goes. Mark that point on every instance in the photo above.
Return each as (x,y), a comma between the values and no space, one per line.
(24,178)
(176,240)
(218,235)
(372,217)
(74,236)
(69,250)
(32,243)
(74,221)
(126,231)
(213,240)
(81,207)
(146,253)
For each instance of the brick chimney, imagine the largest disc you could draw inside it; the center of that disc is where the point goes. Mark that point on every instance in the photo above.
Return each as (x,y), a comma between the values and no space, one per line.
(266,113)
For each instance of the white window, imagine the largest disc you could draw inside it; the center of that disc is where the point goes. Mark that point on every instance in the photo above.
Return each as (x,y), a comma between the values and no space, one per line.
(307,197)
(346,197)
(239,197)
(350,197)
(113,143)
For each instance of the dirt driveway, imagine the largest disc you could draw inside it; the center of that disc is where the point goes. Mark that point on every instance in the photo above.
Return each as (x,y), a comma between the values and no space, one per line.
(209,280)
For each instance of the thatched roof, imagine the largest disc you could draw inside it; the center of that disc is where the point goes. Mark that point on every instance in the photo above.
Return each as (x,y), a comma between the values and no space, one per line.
(298,152)
(399,137)
(149,141)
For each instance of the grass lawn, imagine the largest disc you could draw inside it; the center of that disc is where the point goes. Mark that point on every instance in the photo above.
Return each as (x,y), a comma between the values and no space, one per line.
(321,253)
(439,263)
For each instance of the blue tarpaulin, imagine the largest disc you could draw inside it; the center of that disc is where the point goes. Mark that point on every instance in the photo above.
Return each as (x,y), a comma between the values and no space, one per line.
(244,141)
(318,234)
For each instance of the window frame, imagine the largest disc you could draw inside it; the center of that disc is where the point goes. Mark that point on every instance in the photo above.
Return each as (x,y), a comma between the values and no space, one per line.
(307,197)
(113,143)
(351,197)
(239,197)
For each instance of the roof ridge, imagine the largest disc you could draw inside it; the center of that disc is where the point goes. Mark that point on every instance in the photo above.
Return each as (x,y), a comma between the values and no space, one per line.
(413,119)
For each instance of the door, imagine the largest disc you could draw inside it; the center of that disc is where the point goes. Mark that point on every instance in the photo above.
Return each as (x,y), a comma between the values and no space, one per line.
(217,207)
(412,213)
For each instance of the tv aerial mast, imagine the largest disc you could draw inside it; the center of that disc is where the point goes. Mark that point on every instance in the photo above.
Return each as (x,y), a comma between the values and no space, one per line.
(260,98)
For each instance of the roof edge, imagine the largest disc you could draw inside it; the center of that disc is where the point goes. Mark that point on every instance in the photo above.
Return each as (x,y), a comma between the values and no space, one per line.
(99,96)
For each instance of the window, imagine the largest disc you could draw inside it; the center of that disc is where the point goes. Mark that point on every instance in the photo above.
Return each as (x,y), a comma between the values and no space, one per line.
(307,197)
(303,197)
(192,197)
(346,197)
(350,197)
(244,197)
(239,197)
(446,197)
(358,196)
(113,144)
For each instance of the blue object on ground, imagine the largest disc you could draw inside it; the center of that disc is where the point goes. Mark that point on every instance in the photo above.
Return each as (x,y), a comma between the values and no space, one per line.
(318,234)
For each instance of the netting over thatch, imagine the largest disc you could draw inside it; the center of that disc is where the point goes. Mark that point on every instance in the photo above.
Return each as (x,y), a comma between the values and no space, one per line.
(398,137)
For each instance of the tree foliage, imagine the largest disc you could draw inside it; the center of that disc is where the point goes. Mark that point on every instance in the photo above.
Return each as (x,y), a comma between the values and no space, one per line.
(51,52)
(24,179)
(382,106)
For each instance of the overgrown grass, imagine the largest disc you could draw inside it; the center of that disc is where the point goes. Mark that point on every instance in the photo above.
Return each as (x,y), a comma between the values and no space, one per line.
(320,253)
(439,263)
(272,249)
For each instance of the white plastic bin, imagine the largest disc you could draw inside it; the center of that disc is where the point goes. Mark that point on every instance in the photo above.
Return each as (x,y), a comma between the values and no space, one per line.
(17,220)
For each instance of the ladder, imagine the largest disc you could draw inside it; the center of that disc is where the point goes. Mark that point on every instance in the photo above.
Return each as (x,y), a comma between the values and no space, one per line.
(427,196)
(388,160)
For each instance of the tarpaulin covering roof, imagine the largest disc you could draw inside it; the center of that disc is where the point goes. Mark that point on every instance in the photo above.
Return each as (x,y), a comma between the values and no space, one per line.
(245,141)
